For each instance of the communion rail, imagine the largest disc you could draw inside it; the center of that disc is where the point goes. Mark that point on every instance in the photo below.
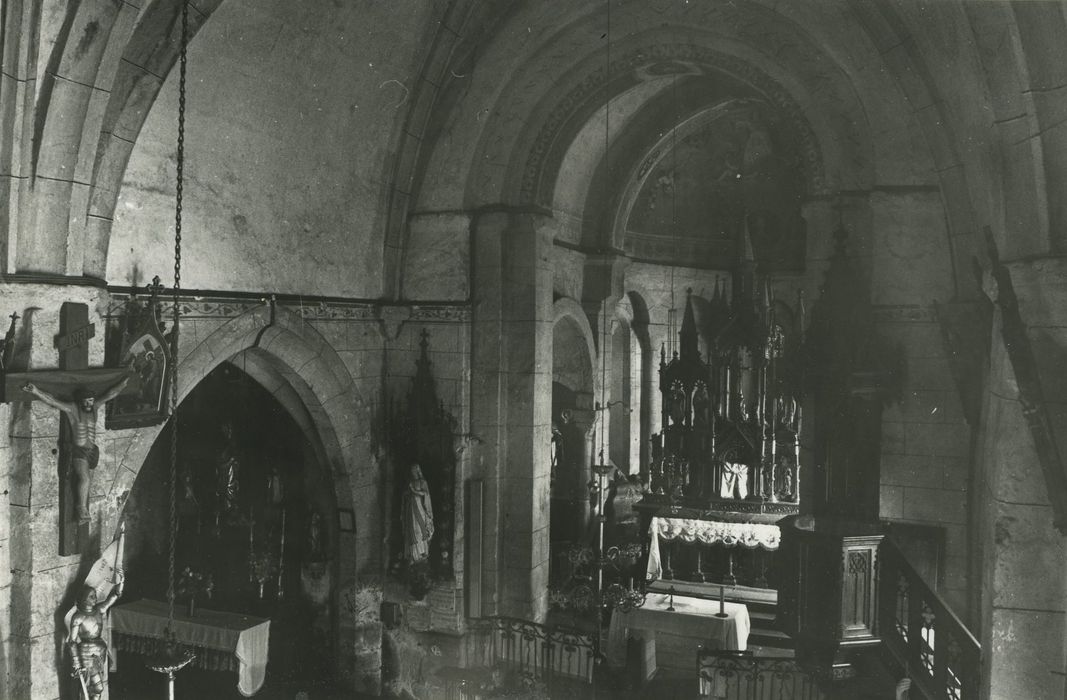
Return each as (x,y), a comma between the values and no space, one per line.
(511,655)
(937,651)
(741,676)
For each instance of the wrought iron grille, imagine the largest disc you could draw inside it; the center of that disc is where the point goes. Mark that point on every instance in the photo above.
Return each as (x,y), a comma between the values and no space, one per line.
(527,654)
(739,676)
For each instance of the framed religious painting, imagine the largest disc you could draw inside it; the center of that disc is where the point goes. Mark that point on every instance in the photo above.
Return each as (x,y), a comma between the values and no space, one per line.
(141,346)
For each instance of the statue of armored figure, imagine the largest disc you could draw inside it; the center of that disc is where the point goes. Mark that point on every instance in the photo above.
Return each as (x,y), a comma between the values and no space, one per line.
(88,651)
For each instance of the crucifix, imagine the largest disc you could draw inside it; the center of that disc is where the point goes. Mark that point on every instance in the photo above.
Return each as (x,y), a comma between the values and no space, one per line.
(77,391)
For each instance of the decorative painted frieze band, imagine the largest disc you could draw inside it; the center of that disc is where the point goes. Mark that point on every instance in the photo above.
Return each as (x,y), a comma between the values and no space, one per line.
(223,307)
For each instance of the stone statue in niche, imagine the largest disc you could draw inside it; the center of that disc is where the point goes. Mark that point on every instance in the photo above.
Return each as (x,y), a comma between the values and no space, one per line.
(677,407)
(423,437)
(557,452)
(88,651)
(81,414)
(701,407)
(418,518)
(418,529)
(316,546)
(785,471)
(560,431)
(189,508)
(275,487)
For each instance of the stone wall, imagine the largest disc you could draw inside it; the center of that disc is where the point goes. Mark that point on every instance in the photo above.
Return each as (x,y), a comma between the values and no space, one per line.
(332,364)
(287,137)
(1023,562)
(926,462)
(37,584)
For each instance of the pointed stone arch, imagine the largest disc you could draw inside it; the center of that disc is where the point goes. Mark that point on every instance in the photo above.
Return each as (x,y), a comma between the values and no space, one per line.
(305,368)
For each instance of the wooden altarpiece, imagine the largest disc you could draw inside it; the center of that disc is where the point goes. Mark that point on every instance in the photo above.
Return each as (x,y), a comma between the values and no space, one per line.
(726,466)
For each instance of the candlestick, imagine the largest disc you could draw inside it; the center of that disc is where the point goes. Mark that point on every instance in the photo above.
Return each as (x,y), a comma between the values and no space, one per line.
(281,559)
(670,606)
(251,544)
(722,603)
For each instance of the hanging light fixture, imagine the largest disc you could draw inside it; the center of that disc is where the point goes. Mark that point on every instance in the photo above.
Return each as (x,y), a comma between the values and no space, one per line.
(173,657)
(672,312)
(615,595)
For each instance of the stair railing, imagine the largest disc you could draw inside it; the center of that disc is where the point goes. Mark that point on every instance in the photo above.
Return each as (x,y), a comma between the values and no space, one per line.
(935,648)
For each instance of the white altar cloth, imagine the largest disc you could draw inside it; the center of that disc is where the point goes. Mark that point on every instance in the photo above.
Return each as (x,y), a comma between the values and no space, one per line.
(692,617)
(244,636)
(749,535)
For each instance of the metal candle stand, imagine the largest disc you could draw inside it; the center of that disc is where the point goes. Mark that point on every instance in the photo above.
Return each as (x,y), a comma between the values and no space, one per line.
(722,604)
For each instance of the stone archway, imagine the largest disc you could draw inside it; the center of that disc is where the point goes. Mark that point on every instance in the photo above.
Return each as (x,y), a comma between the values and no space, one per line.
(574,427)
(81,144)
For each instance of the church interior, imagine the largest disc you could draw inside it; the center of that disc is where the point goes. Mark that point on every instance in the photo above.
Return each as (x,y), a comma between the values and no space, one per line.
(533,349)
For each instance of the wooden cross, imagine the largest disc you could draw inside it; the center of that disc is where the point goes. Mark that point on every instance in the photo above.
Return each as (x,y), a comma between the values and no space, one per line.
(73,375)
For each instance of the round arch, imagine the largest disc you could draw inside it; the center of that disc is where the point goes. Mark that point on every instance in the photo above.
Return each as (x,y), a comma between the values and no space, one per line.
(571,310)
(124,52)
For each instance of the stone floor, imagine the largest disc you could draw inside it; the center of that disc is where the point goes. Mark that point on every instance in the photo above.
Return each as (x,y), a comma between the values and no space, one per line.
(138,683)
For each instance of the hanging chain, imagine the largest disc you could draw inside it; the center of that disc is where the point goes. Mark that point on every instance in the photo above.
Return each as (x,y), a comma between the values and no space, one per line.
(174,322)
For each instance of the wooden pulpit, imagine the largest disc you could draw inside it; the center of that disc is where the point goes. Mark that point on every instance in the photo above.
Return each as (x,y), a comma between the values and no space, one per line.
(828,597)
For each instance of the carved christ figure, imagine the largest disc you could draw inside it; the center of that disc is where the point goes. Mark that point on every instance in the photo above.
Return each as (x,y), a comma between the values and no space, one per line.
(81,414)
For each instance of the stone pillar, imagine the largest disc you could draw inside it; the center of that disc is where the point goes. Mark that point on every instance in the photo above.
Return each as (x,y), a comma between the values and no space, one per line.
(1024,590)
(584,476)
(511,400)
(42,584)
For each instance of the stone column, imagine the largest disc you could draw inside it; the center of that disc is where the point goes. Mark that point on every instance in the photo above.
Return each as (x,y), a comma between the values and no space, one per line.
(1024,589)
(42,584)
(511,404)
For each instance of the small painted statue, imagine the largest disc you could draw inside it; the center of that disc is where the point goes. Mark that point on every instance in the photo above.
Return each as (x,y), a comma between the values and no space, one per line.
(88,651)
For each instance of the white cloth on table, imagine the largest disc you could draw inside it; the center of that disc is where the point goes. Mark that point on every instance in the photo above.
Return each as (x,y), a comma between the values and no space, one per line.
(691,617)
(750,535)
(246,637)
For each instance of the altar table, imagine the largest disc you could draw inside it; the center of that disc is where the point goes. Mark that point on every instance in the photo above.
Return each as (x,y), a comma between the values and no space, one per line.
(691,617)
(219,638)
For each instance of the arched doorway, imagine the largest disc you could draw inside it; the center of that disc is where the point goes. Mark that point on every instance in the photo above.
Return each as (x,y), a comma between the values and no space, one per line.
(572,418)
(255,503)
